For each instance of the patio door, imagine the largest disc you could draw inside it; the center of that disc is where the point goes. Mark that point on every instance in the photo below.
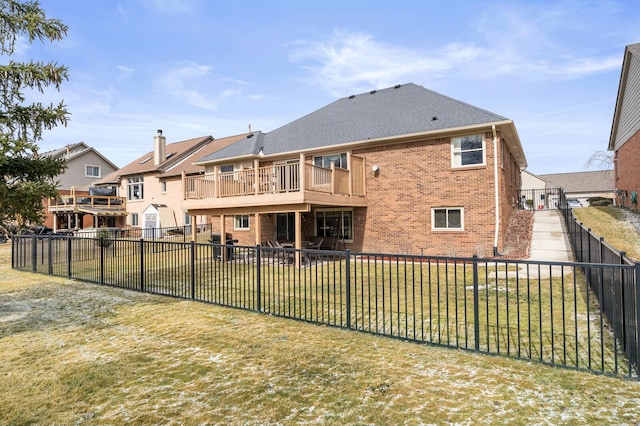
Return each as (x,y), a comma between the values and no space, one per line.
(285,227)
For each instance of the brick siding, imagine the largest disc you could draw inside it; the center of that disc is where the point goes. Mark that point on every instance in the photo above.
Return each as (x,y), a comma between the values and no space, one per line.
(627,176)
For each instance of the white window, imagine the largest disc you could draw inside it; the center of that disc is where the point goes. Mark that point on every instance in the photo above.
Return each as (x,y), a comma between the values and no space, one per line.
(163,185)
(325,160)
(135,188)
(241,221)
(447,218)
(467,151)
(92,171)
(134,219)
(336,223)
(187,218)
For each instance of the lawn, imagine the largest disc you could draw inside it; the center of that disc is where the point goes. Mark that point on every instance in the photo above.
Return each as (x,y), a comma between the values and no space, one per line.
(619,227)
(72,352)
(552,320)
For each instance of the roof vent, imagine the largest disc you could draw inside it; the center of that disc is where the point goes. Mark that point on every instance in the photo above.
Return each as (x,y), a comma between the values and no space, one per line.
(372,92)
(352,96)
(250,135)
(434,118)
(397,86)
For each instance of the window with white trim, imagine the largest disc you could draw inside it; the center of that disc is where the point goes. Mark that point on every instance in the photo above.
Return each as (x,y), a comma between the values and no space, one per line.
(134,219)
(163,186)
(241,222)
(447,218)
(468,151)
(135,188)
(92,171)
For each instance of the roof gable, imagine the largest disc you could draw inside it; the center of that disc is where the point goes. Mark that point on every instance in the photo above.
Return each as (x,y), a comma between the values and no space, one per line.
(626,115)
(175,152)
(395,111)
(73,151)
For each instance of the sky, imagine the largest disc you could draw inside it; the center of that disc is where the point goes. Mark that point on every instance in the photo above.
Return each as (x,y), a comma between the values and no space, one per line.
(207,67)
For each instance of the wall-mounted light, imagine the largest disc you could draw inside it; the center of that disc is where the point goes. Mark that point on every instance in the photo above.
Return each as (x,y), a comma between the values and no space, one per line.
(375,168)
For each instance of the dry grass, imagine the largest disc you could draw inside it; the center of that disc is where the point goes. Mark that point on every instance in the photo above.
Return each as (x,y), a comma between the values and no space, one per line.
(75,353)
(619,227)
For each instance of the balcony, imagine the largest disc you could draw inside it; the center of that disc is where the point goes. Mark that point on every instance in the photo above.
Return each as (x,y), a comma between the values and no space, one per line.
(277,185)
(82,200)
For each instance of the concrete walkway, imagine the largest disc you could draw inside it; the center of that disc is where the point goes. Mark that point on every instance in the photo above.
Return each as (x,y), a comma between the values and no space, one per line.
(549,243)
(549,239)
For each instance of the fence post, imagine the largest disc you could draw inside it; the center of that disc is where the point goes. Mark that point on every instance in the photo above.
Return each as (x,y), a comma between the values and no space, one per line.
(347,254)
(34,254)
(50,258)
(258,279)
(69,257)
(476,304)
(193,270)
(102,244)
(142,264)
(635,359)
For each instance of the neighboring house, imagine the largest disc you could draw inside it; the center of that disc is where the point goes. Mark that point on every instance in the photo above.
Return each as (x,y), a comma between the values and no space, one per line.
(625,130)
(84,165)
(155,179)
(583,185)
(535,192)
(398,170)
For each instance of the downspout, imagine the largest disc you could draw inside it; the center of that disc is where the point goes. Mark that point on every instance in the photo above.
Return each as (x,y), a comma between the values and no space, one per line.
(496,190)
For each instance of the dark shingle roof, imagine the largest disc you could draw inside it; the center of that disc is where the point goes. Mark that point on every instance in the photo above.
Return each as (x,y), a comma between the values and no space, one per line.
(399,110)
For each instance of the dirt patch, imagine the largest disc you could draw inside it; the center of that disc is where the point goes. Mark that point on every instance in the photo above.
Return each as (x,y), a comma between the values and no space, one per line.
(518,236)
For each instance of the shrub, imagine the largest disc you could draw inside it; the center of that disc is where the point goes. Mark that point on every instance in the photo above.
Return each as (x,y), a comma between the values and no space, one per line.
(599,201)
(103,237)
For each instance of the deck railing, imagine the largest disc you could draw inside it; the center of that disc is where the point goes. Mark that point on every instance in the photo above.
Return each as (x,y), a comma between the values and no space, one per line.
(277,179)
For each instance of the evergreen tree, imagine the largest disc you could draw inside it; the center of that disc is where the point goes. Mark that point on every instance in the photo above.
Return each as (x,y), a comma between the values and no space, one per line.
(26,178)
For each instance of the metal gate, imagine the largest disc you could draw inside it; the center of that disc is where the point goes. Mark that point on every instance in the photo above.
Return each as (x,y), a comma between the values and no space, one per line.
(539,199)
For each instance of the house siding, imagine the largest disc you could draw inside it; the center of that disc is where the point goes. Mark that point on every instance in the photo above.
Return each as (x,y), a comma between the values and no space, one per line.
(629,113)
(75,173)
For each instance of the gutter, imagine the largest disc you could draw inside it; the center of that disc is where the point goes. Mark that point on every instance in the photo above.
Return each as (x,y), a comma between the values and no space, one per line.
(496,190)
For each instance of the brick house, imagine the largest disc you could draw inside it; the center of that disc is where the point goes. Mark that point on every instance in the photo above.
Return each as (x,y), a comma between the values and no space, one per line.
(84,165)
(397,170)
(625,130)
(155,180)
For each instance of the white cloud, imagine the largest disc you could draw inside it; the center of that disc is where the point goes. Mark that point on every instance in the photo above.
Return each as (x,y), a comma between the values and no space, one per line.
(185,83)
(125,72)
(356,61)
(172,6)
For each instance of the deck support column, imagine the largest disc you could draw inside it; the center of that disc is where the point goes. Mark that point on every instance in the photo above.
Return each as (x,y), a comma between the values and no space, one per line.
(298,226)
(258,228)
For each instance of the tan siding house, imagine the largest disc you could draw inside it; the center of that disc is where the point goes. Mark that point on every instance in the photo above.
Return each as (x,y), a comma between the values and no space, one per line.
(155,178)
(84,165)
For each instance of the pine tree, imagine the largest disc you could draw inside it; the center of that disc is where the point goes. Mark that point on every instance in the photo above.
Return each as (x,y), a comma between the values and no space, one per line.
(26,178)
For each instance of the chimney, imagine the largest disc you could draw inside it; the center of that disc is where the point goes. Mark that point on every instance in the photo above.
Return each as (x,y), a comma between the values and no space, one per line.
(159,148)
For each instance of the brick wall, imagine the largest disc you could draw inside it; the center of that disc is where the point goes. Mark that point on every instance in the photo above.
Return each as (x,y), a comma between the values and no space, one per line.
(627,176)
(416,177)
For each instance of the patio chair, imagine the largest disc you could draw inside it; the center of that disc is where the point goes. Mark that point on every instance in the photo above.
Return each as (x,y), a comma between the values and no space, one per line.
(282,255)
(316,243)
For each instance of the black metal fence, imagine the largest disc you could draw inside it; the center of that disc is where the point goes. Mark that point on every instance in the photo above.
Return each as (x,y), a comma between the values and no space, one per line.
(617,293)
(540,311)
